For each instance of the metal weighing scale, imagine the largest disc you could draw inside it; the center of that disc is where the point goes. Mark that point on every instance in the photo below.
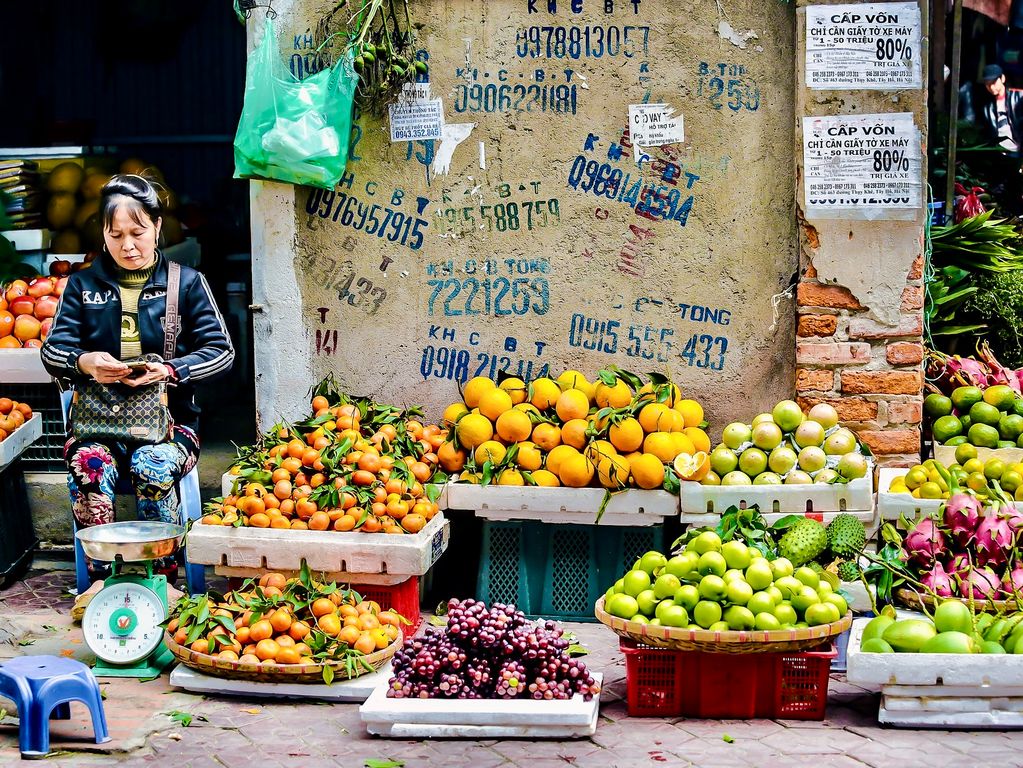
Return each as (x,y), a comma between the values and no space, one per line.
(122,622)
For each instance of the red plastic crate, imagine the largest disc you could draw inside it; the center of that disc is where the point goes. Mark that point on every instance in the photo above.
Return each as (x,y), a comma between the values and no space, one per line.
(667,683)
(403,598)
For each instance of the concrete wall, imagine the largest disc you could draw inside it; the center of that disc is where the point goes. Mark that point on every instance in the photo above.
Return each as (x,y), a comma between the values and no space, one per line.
(697,264)
(860,295)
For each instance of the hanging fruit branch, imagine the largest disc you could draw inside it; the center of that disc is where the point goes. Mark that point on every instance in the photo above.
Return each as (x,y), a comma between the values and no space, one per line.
(381,39)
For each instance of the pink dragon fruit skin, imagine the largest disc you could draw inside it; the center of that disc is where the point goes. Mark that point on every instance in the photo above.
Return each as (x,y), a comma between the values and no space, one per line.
(938,581)
(1012,516)
(925,543)
(1012,582)
(962,515)
(960,566)
(993,540)
(980,584)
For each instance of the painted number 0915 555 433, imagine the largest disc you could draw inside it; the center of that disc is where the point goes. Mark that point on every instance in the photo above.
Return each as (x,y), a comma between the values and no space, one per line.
(706,351)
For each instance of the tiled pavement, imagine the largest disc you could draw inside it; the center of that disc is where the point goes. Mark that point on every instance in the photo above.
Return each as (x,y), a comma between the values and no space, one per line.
(253,733)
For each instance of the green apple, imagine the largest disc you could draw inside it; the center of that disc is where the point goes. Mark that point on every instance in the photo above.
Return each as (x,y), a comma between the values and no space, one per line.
(785,613)
(739,592)
(623,606)
(682,565)
(767,621)
(804,598)
(739,617)
(839,602)
(712,562)
(706,613)
(732,573)
(663,606)
(712,587)
(666,586)
(636,581)
(761,602)
(759,574)
(651,561)
(737,554)
(719,626)
(788,586)
(688,595)
(675,616)
(781,566)
(775,594)
(808,576)
(647,601)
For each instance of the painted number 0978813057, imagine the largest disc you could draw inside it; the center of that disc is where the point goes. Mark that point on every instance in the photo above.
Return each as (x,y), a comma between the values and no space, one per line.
(700,349)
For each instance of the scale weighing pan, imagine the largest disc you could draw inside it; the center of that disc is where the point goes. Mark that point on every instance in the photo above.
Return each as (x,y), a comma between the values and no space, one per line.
(131,541)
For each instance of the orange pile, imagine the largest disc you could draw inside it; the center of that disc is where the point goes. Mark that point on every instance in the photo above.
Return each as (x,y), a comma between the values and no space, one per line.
(615,433)
(284,621)
(352,469)
(12,415)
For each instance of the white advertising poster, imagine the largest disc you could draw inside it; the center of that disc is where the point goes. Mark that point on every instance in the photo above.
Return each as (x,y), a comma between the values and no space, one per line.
(416,120)
(862,166)
(654,125)
(873,46)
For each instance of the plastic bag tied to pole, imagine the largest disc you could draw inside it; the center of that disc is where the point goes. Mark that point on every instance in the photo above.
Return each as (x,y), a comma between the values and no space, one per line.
(291,130)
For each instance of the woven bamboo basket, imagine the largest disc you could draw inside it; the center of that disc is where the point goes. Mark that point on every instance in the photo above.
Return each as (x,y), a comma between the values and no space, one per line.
(918,600)
(277,673)
(753,641)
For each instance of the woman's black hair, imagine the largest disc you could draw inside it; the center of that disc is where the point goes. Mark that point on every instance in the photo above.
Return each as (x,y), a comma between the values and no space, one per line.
(138,192)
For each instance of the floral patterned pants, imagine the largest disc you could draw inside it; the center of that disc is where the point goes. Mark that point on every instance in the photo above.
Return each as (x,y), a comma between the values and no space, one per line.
(154,470)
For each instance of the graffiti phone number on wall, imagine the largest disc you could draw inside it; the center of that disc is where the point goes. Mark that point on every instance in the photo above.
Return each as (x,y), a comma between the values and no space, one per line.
(580,42)
(507,217)
(516,98)
(349,212)
(453,364)
(526,294)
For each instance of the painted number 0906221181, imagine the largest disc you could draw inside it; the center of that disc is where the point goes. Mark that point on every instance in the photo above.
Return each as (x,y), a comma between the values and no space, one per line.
(526,294)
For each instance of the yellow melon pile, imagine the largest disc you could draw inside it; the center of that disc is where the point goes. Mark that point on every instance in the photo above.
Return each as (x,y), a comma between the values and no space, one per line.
(615,433)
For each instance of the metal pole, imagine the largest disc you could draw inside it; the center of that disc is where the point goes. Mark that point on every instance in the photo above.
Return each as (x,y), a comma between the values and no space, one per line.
(953,109)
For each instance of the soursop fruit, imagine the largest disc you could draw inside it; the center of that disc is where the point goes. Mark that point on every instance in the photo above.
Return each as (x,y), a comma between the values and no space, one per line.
(846,536)
(803,541)
(849,570)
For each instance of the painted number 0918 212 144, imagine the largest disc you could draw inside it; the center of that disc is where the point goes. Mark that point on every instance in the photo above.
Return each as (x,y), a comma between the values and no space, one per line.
(498,296)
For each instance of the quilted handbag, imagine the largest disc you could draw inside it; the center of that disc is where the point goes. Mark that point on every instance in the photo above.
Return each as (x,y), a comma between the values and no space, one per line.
(119,413)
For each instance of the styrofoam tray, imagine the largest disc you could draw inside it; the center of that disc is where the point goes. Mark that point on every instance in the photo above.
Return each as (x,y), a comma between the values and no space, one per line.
(921,718)
(891,505)
(20,439)
(22,366)
(28,239)
(562,505)
(986,674)
(334,553)
(855,498)
(357,690)
(479,719)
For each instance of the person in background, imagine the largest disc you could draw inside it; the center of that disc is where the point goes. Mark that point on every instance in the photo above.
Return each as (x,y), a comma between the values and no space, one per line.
(115,311)
(1003,114)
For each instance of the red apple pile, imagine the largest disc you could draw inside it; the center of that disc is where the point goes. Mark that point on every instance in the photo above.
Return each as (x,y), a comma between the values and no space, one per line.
(27,308)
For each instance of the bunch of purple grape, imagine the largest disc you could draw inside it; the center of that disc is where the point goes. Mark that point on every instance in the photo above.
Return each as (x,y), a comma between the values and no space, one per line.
(489,653)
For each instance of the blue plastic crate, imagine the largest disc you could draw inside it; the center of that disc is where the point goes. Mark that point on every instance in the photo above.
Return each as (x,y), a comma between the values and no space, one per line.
(556,570)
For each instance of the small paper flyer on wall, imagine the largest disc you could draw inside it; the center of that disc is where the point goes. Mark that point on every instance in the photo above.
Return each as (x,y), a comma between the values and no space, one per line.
(869,46)
(862,167)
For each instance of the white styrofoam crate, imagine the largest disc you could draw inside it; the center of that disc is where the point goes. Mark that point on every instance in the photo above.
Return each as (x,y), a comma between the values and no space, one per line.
(856,497)
(356,690)
(479,719)
(245,551)
(892,505)
(20,439)
(22,366)
(920,718)
(29,239)
(985,674)
(562,505)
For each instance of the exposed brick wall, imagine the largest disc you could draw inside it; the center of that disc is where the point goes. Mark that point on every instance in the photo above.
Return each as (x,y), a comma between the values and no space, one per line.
(870,372)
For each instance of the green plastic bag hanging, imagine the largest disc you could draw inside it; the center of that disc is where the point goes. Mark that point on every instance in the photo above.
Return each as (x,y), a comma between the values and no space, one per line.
(292,130)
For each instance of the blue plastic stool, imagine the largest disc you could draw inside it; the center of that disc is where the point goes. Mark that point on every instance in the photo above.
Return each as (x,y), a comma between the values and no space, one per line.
(189,508)
(42,687)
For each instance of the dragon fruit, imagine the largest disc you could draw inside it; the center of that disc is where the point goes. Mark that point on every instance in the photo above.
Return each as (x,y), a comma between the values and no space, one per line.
(999,373)
(949,372)
(993,540)
(962,514)
(960,565)
(1012,582)
(938,581)
(925,543)
(979,584)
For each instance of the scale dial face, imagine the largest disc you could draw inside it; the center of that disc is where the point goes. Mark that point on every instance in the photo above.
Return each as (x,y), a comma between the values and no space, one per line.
(121,623)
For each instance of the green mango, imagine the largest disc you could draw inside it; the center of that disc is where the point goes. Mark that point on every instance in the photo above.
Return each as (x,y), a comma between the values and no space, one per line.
(876,627)
(876,645)
(954,616)
(997,631)
(990,646)
(984,621)
(907,635)
(949,642)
